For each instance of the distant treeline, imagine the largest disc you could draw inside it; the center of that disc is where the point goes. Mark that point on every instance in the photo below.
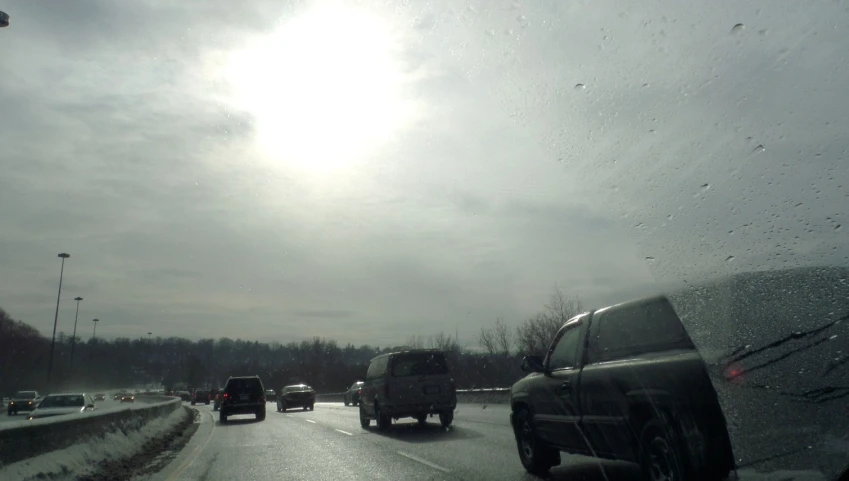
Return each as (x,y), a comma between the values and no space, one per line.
(177,363)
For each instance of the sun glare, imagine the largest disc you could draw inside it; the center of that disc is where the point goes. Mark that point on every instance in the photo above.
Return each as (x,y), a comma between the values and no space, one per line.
(324,88)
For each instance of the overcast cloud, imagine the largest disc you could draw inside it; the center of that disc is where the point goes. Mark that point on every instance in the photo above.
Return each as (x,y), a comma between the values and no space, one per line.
(282,170)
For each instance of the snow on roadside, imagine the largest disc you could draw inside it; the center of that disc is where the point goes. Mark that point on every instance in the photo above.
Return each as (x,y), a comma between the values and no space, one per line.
(84,458)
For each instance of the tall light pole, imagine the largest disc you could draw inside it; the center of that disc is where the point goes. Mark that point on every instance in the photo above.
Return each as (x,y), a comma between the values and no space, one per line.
(148,335)
(74,337)
(91,348)
(63,256)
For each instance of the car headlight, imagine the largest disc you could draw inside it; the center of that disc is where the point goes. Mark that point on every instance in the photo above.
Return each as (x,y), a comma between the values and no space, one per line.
(11,402)
(29,402)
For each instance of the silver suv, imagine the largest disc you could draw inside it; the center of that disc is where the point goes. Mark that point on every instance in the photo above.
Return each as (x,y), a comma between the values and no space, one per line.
(408,384)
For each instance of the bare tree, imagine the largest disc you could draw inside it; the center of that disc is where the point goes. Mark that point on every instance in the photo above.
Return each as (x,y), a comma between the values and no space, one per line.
(488,340)
(535,335)
(415,342)
(503,337)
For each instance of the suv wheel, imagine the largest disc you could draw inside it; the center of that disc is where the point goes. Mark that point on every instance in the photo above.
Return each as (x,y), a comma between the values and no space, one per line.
(312,407)
(383,420)
(422,419)
(222,417)
(660,459)
(446,418)
(260,415)
(364,419)
(346,401)
(535,456)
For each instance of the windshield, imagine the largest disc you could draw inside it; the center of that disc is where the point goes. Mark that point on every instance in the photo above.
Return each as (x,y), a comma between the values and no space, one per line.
(270,193)
(63,401)
(25,395)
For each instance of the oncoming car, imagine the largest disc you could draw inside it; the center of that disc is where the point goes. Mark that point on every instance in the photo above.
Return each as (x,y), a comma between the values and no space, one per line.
(128,398)
(62,404)
(22,401)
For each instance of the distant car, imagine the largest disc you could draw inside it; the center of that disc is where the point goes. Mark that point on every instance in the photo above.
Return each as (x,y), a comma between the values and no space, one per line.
(243,395)
(352,395)
(128,398)
(63,404)
(294,396)
(270,395)
(116,396)
(100,397)
(415,383)
(200,396)
(22,401)
(184,395)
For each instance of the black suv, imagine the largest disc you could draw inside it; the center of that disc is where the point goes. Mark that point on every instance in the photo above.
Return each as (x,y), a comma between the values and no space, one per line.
(624,382)
(243,395)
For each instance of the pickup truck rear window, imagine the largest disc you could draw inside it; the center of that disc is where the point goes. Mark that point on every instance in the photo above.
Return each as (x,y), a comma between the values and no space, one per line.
(419,364)
(636,329)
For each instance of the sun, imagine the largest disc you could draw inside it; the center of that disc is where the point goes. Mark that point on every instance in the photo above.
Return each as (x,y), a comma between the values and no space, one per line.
(325,88)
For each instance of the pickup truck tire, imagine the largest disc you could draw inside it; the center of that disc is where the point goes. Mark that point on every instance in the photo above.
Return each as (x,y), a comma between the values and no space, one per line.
(660,457)
(383,420)
(421,419)
(364,419)
(446,418)
(537,458)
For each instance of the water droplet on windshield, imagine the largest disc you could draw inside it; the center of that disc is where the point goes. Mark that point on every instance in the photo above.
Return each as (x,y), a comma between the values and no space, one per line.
(831,338)
(837,227)
(729,259)
(649,258)
(737,28)
(580,86)
(759,149)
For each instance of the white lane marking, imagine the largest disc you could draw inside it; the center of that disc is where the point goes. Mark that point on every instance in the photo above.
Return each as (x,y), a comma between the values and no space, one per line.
(424,461)
(193,457)
(344,432)
(309,421)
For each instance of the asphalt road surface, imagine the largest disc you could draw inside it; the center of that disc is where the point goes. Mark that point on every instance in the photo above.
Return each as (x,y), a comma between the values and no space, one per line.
(329,444)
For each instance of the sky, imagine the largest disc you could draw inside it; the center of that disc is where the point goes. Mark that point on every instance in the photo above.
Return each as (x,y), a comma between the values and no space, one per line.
(369,171)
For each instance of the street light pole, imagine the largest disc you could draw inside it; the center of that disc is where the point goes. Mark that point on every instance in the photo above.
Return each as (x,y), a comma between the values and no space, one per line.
(63,256)
(148,335)
(74,337)
(94,332)
(91,348)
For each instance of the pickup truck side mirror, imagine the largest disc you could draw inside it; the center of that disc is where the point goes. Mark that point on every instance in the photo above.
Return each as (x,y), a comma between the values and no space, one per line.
(532,364)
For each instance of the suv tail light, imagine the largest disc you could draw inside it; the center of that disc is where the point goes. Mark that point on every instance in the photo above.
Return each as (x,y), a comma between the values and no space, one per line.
(226,396)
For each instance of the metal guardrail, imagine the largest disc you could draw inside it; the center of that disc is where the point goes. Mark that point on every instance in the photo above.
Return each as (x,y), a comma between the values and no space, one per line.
(39,436)
(494,395)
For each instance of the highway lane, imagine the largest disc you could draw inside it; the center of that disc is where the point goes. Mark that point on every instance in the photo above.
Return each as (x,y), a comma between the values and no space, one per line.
(329,443)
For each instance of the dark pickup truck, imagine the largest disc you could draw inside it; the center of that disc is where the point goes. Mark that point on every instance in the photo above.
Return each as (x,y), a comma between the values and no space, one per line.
(624,382)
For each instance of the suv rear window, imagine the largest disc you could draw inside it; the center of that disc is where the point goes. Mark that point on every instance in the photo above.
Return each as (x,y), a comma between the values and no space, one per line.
(638,328)
(25,395)
(419,364)
(244,384)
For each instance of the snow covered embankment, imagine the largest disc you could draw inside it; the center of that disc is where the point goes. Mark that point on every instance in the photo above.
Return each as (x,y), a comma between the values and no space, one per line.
(67,447)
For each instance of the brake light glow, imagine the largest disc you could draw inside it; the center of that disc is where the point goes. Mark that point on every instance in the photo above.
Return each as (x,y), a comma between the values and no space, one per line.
(226,396)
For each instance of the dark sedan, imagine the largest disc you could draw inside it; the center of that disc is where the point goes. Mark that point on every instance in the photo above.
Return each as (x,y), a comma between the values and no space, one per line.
(296,396)
(352,395)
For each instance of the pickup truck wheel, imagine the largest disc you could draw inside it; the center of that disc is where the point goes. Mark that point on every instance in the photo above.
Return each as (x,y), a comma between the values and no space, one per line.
(383,421)
(537,458)
(422,419)
(446,418)
(364,419)
(660,459)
